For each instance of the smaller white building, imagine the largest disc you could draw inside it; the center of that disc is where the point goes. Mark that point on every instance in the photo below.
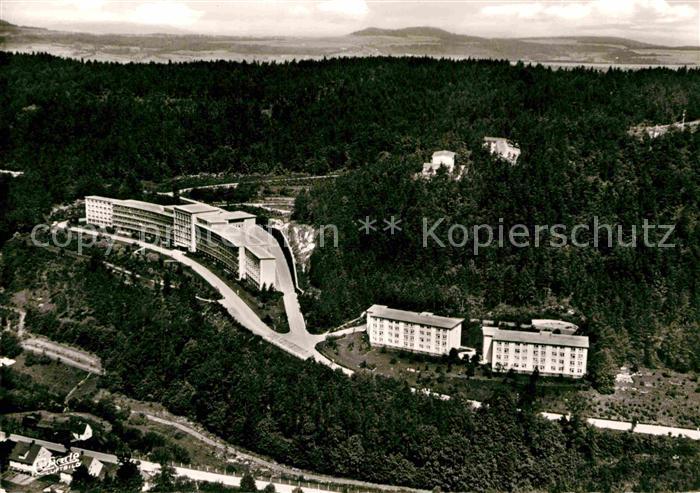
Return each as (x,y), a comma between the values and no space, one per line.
(442,159)
(411,331)
(503,148)
(549,347)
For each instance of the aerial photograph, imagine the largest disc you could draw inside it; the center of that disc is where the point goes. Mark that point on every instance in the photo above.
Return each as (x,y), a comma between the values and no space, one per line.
(349,246)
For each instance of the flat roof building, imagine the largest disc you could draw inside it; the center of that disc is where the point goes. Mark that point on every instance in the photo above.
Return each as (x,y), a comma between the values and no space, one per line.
(259,266)
(547,349)
(99,211)
(412,331)
(503,148)
(144,219)
(442,159)
(183,223)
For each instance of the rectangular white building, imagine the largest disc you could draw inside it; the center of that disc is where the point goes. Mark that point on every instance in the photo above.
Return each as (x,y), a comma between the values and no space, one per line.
(442,159)
(184,233)
(143,219)
(411,331)
(549,348)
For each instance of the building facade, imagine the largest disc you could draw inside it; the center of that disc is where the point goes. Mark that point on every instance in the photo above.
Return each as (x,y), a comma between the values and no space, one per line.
(184,232)
(99,211)
(143,219)
(259,267)
(545,347)
(442,159)
(411,331)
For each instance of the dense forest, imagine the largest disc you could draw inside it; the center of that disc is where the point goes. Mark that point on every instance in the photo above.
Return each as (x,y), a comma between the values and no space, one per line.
(166,347)
(91,127)
(639,304)
(78,128)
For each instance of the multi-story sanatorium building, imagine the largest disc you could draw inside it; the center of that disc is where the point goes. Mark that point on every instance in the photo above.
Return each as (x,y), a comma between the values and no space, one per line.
(549,346)
(410,331)
(231,239)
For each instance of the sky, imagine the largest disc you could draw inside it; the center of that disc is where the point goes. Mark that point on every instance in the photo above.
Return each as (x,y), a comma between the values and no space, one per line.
(671,22)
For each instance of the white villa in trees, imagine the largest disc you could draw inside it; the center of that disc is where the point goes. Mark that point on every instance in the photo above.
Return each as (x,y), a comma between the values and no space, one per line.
(503,148)
(442,159)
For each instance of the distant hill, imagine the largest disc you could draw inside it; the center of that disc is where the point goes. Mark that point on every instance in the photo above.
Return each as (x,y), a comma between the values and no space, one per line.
(414,31)
(599,40)
(132,45)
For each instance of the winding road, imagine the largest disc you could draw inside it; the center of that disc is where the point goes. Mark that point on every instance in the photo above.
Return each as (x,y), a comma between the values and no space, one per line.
(298,341)
(302,344)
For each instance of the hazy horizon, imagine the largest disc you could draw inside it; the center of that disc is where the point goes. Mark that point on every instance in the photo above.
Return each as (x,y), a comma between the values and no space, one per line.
(671,23)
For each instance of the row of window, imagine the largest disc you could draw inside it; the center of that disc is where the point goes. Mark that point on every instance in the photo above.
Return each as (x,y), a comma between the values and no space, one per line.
(553,368)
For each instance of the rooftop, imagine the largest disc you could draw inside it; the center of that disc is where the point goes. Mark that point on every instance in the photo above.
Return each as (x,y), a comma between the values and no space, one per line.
(444,154)
(259,252)
(25,453)
(138,204)
(222,216)
(501,142)
(424,318)
(230,233)
(544,337)
(197,208)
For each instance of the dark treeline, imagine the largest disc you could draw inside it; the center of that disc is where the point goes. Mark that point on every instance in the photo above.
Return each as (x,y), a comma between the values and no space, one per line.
(78,128)
(92,127)
(161,346)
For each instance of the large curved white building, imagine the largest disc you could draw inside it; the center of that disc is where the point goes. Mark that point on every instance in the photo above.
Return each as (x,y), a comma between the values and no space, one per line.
(229,238)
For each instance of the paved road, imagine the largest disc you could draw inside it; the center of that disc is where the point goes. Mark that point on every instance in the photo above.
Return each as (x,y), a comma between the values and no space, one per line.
(297,341)
(272,466)
(234,184)
(65,354)
(12,173)
(54,350)
(22,317)
(639,428)
(211,476)
(301,344)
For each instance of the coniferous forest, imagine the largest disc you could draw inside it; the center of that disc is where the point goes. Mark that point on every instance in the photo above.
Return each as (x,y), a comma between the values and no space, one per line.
(169,348)
(80,128)
(94,128)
